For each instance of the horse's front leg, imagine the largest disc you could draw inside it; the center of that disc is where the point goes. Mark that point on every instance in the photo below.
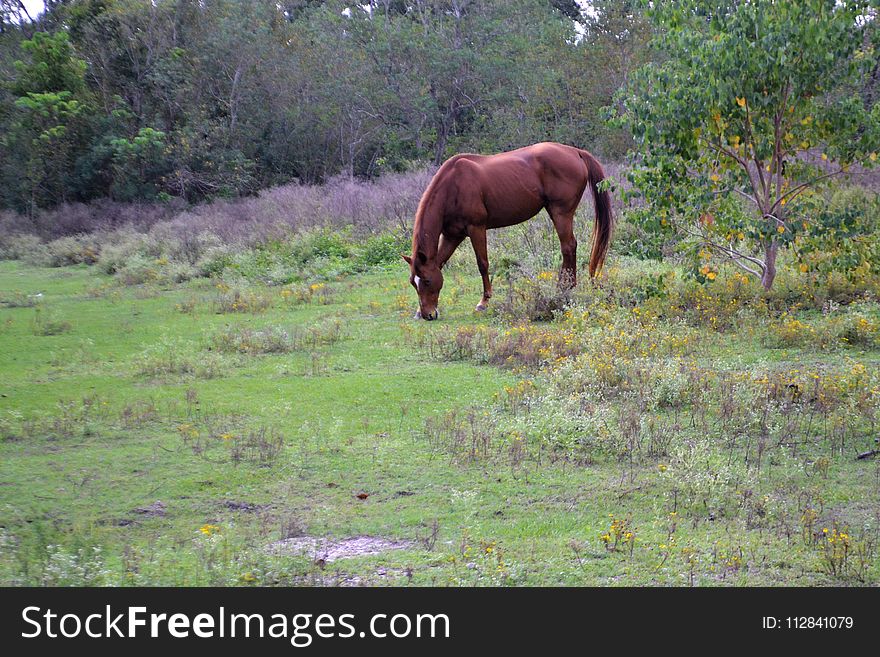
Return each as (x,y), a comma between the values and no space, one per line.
(447,247)
(478,240)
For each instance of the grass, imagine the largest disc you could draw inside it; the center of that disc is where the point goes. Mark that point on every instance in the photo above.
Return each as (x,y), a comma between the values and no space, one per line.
(252,426)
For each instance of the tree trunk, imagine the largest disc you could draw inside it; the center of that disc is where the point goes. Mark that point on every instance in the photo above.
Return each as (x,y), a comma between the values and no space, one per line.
(770,251)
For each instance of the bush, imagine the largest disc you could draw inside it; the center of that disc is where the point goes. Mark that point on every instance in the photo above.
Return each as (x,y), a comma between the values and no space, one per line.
(18,246)
(74,250)
(537,298)
(383,249)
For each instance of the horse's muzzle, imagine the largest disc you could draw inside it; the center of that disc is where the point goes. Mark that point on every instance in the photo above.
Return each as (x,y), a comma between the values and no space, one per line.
(431,316)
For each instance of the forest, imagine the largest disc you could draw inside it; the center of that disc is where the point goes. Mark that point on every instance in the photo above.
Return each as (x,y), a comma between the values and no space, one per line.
(142,101)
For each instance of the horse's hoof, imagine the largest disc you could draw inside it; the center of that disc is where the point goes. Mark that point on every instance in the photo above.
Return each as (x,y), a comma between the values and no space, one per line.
(480,307)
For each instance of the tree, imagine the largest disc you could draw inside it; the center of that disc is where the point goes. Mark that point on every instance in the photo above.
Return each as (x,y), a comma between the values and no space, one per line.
(753,105)
(49,123)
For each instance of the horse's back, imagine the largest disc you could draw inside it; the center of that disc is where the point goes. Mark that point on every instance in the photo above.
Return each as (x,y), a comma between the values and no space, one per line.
(515,185)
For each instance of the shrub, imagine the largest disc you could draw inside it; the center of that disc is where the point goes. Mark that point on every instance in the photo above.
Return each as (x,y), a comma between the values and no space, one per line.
(383,249)
(18,246)
(537,298)
(74,250)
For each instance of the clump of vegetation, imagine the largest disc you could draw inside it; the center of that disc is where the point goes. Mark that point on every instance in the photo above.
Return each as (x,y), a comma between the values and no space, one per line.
(276,339)
(241,299)
(19,299)
(46,322)
(174,356)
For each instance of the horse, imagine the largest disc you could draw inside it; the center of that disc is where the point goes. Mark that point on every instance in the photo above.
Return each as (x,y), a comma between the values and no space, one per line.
(472,193)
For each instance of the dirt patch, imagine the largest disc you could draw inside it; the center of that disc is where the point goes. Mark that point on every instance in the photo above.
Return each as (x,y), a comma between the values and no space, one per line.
(155,510)
(327,550)
(247,507)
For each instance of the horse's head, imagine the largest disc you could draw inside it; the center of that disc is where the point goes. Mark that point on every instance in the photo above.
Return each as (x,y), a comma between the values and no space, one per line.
(425,276)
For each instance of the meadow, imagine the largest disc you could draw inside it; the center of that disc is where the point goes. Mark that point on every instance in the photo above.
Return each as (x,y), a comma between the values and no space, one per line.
(223,398)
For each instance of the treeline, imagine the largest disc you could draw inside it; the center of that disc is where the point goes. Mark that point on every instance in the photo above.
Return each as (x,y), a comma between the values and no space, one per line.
(195,99)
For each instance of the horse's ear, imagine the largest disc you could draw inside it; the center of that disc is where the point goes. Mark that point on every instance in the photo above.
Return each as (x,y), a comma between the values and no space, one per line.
(407,258)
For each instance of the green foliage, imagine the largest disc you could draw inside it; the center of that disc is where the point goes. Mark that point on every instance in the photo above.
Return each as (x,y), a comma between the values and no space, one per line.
(841,235)
(48,125)
(221,99)
(742,92)
(52,66)
(137,165)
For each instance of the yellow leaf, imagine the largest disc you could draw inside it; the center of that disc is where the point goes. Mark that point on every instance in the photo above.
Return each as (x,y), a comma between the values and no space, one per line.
(804,269)
(741,102)
(824,156)
(873,157)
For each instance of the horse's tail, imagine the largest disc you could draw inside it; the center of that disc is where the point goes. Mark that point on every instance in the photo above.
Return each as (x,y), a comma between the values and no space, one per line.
(604,222)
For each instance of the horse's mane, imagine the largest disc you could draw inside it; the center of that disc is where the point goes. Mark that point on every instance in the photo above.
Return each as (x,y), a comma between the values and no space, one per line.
(427,197)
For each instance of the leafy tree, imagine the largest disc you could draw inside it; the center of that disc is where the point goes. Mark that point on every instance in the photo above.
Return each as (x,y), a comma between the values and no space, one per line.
(138,165)
(51,66)
(753,105)
(50,121)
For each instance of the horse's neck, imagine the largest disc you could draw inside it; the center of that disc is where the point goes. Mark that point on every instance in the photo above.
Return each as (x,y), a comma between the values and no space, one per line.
(427,232)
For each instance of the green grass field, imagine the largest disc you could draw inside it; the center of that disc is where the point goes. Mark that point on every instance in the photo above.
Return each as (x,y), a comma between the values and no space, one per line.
(156,434)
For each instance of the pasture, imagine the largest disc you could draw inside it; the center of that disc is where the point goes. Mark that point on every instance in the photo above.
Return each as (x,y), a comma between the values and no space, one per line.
(158,429)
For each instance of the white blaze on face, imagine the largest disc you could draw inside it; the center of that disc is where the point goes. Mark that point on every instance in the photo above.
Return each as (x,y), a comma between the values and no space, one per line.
(418,281)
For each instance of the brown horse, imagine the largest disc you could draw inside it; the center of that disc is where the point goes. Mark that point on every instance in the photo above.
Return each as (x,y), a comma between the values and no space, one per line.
(471,193)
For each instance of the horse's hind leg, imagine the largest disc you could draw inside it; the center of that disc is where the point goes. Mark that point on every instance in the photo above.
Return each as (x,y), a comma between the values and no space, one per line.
(564,224)
(478,241)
